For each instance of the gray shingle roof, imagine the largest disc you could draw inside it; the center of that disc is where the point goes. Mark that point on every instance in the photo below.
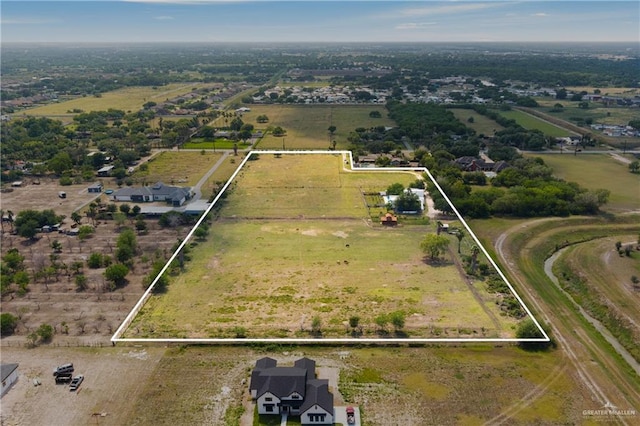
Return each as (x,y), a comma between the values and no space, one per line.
(6,370)
(317,392)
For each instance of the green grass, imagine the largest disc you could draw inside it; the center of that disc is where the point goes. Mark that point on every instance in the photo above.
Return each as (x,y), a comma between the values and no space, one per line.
(307,126)
(200,143)
(127,99)
(183,168)
(481,124)
(533,123)
(286,250)
(594,171)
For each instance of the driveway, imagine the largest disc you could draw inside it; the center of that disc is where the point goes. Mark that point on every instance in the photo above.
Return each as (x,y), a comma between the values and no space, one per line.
(340,412)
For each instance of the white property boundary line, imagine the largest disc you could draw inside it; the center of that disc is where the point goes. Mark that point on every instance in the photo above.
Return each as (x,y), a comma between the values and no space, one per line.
(136,309)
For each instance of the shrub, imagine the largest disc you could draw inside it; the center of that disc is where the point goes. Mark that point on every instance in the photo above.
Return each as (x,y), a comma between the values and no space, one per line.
(8,323)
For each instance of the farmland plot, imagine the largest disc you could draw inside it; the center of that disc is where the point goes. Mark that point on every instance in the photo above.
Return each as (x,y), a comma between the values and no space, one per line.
(293,254)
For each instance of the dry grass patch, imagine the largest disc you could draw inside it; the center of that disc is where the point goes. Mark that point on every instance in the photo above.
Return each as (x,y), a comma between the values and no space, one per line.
(127,99)
(293,241)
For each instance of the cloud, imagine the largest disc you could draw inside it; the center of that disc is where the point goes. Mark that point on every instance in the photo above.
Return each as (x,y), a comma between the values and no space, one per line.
(163,18)
(414,25)
(540,15)
(448,9)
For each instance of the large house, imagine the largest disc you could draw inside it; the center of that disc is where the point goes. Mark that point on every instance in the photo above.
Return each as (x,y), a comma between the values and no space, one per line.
(174,195)
(9,376)
(292,390)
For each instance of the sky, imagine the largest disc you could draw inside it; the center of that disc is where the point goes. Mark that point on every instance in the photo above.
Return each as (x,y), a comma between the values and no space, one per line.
(318,21)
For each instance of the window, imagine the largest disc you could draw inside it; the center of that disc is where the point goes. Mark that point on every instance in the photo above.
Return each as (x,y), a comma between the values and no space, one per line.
(317,417)
(268,408)
(268,398)
(295,396)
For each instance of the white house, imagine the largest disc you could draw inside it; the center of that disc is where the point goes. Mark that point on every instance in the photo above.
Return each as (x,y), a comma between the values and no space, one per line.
(292,390)
(9,374)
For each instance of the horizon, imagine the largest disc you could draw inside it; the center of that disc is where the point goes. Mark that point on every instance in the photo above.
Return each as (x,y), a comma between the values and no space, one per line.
(213,21)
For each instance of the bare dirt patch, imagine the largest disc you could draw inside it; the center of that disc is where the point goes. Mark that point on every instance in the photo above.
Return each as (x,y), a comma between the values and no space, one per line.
(113,376)
(87,317)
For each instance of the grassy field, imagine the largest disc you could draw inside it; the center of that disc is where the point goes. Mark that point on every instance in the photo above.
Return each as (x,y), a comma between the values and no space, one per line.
(284,251)
(221,174)
(307,126)
(627,92)
(530,122)
(184,168)
(481,124)
(127,99)
(423,385)
(603,272)
(200,143)
(596,171)
(597,112)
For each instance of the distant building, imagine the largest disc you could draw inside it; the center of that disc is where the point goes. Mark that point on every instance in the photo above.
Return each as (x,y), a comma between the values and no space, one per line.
(105,171)
(174,195)
(9,373)
(96,188)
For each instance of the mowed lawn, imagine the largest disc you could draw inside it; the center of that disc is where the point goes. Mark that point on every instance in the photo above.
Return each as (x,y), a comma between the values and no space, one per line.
(127,99)
(530,122)
(481,124)
(280,255)
(306,125)
(595,171)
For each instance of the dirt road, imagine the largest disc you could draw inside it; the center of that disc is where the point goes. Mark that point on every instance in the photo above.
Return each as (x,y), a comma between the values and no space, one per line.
(608,380)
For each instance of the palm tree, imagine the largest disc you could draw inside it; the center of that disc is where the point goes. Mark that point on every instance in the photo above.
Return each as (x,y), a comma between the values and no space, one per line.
(459,235)
(474,258)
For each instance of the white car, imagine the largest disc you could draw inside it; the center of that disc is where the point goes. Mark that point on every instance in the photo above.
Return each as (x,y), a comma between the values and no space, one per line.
(75,383)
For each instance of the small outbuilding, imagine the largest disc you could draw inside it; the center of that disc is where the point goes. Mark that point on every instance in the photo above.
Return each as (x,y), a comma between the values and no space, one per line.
(389,220)
(9,374)
(96,188)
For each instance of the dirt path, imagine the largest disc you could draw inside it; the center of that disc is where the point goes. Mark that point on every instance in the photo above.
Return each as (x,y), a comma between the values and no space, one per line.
(593,366)
(548,270)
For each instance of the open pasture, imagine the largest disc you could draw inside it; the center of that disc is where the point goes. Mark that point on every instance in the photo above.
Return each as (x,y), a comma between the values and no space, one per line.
(183,168)
(307,125)
(530,122)
(595,171)
(481,124)
(293,242)
(127,99)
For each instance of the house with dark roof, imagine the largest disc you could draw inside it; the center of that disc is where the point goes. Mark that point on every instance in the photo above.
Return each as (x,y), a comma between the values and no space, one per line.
(292,390)
(173,195)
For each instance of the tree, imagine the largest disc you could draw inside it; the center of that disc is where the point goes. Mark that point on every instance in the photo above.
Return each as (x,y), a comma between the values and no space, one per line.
(381,321)
(76,217)
(459,233)
(278,131)
(354,322)
(408,202)
(397,320)
(527,329)
(56,246)
(45,332)
(28,229)
(8,323)
(561,94)
(316,325)
(85,231)
(81,282)
(634,166)
(119,218)
(125,208)
(116,274)
(60,163)
(95,260)
(434,245)
(395,189)
(262,119)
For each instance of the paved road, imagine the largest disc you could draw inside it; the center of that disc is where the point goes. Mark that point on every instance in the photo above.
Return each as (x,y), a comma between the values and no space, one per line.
(197,189)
